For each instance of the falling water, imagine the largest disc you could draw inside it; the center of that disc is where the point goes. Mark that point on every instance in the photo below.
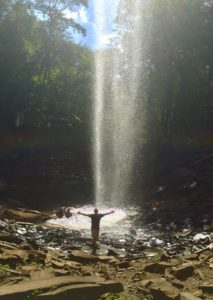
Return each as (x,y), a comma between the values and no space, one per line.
(98,106)
(116,105)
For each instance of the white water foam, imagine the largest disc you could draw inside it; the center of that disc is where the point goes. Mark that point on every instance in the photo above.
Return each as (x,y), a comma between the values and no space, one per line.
(80,222)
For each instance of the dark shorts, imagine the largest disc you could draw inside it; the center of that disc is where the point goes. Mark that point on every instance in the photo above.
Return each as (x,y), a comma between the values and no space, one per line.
(95,233)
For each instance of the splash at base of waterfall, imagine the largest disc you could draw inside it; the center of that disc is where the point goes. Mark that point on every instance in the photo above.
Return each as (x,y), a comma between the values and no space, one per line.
(77,221)
(116,224)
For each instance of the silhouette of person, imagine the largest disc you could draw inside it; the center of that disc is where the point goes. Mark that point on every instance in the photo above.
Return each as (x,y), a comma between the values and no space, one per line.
(68,213)
(95,220)
(60,213)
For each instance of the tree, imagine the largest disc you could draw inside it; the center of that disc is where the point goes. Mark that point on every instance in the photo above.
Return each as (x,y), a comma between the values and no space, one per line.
(40,88)
(58,15)
(175,89)
(16,34)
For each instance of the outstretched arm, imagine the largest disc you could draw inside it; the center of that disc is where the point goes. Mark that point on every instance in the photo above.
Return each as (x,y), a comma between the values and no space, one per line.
(80,213)
(111,212)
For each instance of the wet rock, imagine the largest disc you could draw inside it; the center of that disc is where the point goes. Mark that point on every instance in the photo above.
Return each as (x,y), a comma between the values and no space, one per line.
(188,296)
(173,249)
(3,225)
(201,238)
(183,272)
(154,252)
(164,291)
(119,252)
(210,246)
(155,242)
(186,232)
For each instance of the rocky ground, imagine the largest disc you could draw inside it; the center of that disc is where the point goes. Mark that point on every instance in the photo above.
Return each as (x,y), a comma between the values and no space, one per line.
(42,261)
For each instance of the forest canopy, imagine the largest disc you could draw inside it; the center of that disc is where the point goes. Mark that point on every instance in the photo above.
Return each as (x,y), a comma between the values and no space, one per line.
(46,77)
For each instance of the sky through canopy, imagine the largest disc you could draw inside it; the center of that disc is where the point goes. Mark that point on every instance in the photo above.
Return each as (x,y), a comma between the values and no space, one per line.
(87,18)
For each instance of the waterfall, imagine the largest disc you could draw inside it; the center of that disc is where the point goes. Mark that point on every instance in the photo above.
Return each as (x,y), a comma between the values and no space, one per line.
(116,92)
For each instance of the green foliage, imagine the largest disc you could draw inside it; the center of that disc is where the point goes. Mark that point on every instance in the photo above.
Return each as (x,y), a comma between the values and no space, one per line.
(44,78)
(4,267)
(55,15)
(115,296)
(36,292)
(176,83)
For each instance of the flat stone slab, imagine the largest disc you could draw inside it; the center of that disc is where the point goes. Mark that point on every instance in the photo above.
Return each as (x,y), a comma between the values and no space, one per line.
(82,291)
(42,288)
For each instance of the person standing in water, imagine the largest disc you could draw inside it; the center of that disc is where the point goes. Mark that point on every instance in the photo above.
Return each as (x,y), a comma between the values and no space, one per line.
(95,220)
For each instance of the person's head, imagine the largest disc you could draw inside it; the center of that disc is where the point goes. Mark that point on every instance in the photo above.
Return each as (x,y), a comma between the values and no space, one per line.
(96,211)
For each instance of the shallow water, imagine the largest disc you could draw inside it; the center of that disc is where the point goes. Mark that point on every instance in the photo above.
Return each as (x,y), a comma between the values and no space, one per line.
(116,225)
(125,231)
